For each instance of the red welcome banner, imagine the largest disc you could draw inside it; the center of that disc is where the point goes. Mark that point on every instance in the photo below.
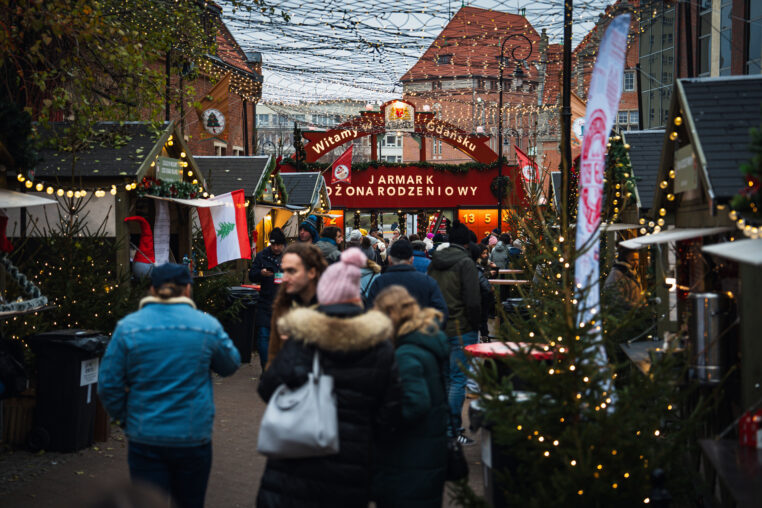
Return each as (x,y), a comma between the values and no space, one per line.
(416,187)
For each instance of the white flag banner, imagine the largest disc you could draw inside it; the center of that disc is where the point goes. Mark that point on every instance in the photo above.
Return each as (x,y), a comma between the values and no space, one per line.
(161,232)
(224,228)
(602,105)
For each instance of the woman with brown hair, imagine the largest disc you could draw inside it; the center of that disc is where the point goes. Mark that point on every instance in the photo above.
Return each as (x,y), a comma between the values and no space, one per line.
(411,467)
(302,266)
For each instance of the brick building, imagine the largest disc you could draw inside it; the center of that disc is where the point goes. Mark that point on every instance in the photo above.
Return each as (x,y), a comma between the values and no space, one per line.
(245,92)
(458,78)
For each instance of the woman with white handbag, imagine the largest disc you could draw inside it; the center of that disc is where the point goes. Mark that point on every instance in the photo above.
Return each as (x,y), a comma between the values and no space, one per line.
(336,343)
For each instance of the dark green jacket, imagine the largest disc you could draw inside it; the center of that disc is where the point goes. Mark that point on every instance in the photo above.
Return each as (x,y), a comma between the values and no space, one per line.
(456,274)
(410,466)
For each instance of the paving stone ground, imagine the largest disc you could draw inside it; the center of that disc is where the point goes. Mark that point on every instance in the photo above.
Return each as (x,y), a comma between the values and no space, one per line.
(30,480)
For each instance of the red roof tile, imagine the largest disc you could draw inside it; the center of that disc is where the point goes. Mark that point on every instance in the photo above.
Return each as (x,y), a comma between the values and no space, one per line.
(229,51)
(473,38)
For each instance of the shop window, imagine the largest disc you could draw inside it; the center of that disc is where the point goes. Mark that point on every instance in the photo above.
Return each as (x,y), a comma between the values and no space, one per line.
(629,81)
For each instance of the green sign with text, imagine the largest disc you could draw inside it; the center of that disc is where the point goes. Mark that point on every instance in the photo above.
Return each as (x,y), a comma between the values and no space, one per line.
(168,169)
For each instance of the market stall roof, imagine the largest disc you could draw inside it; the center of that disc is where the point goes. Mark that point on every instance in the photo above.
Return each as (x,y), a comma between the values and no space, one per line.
(304,189)
(672,235)
(198,203)
(229,173)
(13,199)
(742,251)
(118,149)
(718,113)
(645,156)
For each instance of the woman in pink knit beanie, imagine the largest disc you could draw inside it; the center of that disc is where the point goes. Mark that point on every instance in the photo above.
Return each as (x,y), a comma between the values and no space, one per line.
(340,282)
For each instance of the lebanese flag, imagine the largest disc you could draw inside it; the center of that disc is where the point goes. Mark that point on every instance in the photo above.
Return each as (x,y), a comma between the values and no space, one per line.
(529,170)
(224,228)
(341,170)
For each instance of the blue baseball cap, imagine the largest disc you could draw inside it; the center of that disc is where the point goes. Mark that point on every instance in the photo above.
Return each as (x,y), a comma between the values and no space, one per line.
(170,272)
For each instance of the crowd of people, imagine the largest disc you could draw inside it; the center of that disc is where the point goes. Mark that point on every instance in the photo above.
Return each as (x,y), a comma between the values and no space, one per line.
(390,320)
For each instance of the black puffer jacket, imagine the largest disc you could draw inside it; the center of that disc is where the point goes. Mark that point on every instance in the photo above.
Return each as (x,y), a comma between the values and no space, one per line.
(355,349)
(266,259)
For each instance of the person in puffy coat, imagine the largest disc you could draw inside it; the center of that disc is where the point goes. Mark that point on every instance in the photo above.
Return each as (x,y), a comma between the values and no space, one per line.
(355,349)
(411,467)
(500,255)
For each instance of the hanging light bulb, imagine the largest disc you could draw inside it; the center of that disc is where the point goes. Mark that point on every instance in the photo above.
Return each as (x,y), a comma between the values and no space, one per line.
(50,190)
(60,192)
(28,184)
(69,193)
(113,191)
(39,187)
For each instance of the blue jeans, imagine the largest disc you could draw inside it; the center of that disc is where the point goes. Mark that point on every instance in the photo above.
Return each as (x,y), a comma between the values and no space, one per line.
(263,342)
(458,367)
(180,471)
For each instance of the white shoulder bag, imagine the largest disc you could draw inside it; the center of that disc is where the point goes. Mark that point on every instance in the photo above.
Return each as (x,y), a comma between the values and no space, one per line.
(303,422)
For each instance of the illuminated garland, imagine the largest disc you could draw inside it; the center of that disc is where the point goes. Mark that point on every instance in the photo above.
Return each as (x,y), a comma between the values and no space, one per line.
(363,166)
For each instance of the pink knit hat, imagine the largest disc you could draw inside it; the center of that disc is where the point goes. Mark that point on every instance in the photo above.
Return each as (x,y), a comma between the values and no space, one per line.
(492,241)
(340,283)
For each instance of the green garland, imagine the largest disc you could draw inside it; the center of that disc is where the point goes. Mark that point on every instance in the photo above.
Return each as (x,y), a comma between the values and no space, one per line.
(153,187)
(362,166)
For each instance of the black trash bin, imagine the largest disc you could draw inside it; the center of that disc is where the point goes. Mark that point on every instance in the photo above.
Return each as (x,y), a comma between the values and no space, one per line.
(241,327)
(67,386)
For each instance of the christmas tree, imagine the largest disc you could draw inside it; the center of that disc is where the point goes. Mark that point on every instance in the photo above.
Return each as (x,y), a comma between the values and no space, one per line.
(571,429)
(212,122)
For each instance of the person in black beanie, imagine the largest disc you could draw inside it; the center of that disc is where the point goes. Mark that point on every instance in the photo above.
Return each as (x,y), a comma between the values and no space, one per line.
(402,272)
(266,264)
(458,279)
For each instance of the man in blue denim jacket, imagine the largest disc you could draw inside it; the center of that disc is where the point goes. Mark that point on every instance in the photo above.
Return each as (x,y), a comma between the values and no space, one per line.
(155,379)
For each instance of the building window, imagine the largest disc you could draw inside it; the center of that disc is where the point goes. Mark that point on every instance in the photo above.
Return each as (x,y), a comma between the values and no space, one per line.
(444,59)
(622,117)
(657,60)
(634,117)
(481,83)
(754,43)
(726,21)
(705,38)
(237,151)
(629,81)
(436,85)
(220,149)
(263,119)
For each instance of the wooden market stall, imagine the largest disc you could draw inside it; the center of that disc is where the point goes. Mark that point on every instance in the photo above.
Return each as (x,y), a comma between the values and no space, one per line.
(702,258)
(111,177)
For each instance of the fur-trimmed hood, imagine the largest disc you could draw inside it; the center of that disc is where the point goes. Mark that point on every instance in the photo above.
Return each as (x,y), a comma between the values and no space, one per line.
(336,333)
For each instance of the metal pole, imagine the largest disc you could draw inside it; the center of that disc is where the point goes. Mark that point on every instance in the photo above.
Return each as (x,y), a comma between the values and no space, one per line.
(168,84)
(566,116)
(500,144)
(245,127)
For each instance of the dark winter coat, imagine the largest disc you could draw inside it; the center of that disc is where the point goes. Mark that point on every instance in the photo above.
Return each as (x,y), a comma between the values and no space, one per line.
(456,274)
(355,349)
(622,289)
(265,259)
(420,286)
(330,250)
(487,300)
(410,469)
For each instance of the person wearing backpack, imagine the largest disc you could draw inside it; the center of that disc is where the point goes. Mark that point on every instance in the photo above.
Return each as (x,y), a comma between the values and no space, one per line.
(411,465)
(354,348)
